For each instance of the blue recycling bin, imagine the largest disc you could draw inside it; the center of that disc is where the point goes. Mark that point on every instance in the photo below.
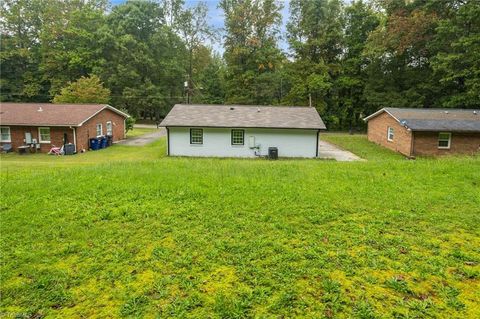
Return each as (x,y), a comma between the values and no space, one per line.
(94,144)
(103,142)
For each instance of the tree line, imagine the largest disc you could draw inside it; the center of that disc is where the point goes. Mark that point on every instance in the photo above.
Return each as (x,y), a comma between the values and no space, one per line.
(347,59)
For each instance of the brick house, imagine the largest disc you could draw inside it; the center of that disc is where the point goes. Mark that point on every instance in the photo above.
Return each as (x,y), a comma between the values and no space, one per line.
(415,132)
(44,125)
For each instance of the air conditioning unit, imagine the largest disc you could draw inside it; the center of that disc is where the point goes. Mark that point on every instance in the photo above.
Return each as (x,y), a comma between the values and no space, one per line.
(272,153)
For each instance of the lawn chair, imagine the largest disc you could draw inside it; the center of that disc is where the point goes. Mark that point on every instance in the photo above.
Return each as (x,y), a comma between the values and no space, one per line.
(56,150)
(7,148)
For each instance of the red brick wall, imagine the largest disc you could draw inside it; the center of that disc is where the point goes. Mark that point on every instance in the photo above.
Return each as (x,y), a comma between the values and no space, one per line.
(89,130)
(426,143)
(17,135)
(84,132)
(377,133)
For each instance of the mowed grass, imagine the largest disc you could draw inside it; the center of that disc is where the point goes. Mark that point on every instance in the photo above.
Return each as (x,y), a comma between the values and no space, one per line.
(35,163)
(148,236)
(359,145)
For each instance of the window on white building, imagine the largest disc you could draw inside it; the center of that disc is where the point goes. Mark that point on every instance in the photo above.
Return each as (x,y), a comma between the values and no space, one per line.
(196,136)
(238,137)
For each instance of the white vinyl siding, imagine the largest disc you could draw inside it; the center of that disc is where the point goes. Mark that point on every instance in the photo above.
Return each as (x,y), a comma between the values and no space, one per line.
(5,134)
(444,140)
(44,134)
(217,142)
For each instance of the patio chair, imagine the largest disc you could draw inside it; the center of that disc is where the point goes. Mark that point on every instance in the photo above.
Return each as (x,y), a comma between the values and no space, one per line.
(7,148)
(56,150)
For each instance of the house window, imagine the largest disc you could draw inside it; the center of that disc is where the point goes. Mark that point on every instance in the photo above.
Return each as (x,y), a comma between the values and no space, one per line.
(238,137)
(5,134)
(99,130)
(390,134)
(109,128)
(44,134)
(444,140)
(196,136)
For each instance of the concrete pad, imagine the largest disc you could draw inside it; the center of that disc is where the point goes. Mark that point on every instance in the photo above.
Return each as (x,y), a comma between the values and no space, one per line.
(330,151)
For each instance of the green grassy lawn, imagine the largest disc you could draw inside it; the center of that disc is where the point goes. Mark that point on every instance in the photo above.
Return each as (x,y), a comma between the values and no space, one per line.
(136,234)
(359,145)
(34,163)
(140,131)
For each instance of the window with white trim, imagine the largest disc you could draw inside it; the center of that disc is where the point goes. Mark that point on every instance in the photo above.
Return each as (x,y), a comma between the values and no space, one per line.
(196,136)
(5,134)
(99,130)
(109,128)
(44,134)
(390,133)
(444,140)
(238,137)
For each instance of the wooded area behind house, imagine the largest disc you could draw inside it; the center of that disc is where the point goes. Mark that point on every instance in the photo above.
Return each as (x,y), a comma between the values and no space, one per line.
(351,58)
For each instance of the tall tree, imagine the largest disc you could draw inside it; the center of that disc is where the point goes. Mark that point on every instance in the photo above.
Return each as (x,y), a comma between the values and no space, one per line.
(315,37)
(84,90)
(145,59)
(194,29)
(400,73)
(457,63)
(360,21)
(20,26)
(251,51)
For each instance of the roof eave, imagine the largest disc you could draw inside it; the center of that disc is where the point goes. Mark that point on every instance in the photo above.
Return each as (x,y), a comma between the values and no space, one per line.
(43,124)
(245,127)
(445,130)
(106,106)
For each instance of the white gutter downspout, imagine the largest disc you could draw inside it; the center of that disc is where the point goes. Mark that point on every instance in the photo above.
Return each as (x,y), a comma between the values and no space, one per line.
(74,138)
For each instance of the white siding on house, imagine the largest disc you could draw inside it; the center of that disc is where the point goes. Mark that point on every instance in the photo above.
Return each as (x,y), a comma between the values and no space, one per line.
(217,142)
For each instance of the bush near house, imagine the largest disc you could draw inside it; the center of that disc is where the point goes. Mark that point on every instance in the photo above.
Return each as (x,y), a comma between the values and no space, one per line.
(139,235)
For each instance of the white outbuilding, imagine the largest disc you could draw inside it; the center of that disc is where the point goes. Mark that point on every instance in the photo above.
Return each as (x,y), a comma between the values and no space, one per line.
(242,131)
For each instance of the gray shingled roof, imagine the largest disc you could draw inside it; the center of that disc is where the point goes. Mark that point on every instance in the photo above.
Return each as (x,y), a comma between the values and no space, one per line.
(453,120)
(243,116)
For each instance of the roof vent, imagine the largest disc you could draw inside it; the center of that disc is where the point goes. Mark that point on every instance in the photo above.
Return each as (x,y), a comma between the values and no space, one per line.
(232,108)
(40,109)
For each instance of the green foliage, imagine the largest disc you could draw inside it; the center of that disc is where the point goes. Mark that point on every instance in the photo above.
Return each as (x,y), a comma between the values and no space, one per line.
(315,36)
(236,238)
(253,59)
(84,90)
(129,122)
(348,58)
(458,63)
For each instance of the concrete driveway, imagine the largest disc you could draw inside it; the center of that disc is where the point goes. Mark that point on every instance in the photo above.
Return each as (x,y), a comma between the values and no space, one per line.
(330,151)
(144,139)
